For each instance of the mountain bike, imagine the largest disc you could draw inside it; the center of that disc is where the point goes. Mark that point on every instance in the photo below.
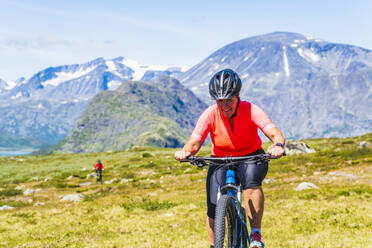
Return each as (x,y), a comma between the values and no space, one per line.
(99,176)
(230,225)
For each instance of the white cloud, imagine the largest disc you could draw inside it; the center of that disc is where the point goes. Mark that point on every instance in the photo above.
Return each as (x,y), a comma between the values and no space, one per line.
(44,43)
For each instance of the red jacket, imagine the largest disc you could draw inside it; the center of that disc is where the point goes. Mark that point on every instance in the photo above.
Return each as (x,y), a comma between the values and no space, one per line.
(98,166)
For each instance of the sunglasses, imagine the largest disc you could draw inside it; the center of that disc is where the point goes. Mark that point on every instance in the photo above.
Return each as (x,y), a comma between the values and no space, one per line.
(226,102)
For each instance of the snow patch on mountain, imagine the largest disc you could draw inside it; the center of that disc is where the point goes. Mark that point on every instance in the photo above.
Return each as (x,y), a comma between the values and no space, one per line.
(286,66)
(113,85)
(111,65)
(6,85)
(10,85)
(308,55)
(112,68)
(66,76)
(140,69)
(18,95)
(299,41)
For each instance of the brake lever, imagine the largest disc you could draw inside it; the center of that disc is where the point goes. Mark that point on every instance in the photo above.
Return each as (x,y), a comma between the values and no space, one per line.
(199,163)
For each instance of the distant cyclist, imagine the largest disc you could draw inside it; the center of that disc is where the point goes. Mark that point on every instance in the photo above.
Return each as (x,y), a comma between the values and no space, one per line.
(233,126)
(99,168)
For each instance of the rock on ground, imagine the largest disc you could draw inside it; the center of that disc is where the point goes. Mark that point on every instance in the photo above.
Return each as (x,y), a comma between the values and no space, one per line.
(297,147)
(6,207)
(124,180)
(91,175)
(20,187)
(86,184)
(72,198)
(111,181)
(364,144)
(30,191)
(306,185)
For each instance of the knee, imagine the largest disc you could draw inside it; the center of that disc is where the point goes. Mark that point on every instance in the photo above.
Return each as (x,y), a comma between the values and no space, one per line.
(252,191)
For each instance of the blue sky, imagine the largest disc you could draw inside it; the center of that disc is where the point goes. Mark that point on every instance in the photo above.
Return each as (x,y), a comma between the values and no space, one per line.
(36,34)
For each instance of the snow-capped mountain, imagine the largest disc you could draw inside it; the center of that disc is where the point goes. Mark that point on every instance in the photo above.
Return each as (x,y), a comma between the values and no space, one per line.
(6,86)
(83,81)
(37,107)
(309,87)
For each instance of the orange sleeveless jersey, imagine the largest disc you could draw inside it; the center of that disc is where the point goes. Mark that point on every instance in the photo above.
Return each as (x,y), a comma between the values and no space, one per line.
(240,141)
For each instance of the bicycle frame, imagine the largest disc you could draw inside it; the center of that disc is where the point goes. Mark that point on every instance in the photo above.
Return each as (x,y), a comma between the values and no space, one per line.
(230,188)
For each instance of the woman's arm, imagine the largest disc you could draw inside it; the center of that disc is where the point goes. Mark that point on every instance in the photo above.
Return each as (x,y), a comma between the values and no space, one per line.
(276,137)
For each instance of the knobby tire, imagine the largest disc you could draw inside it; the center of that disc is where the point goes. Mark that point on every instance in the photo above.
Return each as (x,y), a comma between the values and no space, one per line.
(244,232)
(225,214)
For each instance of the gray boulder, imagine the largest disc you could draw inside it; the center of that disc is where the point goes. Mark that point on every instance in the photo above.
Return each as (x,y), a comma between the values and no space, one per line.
(6,207)
(297,147)
(72,198)
(86,184)
(91,175)
(19,187)
(364,144)
(30,191)
(306,185)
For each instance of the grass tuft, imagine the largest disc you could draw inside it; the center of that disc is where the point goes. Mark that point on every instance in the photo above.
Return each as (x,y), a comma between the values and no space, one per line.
(10,192)
(147,204)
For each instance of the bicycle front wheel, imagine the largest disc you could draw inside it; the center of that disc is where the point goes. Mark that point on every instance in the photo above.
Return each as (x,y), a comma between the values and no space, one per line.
(244,229)
(225,233)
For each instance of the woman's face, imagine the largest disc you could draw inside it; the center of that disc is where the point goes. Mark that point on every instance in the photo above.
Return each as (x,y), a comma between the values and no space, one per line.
(228,106)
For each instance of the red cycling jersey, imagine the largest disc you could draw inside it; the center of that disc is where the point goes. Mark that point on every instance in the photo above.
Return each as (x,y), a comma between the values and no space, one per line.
(98,166)
(243,139)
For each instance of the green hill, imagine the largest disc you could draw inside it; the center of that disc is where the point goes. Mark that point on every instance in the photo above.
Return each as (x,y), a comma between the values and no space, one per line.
(150,200)
(158,114)
(9,141)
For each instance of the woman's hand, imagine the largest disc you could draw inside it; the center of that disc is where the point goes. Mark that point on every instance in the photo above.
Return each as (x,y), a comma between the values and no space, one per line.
(276,151)
(180,155)
(191,147)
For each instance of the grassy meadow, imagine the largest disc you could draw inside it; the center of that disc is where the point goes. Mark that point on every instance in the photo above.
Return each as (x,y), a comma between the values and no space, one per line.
(161,202)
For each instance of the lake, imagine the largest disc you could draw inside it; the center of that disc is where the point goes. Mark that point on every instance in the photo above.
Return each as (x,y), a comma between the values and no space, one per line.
(4,151)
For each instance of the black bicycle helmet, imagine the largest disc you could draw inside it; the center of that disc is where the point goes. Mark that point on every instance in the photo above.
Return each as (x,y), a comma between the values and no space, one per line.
(224,84)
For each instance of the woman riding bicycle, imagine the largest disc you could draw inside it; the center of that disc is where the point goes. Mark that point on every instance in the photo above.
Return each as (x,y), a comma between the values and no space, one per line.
(233,126)
(99,168)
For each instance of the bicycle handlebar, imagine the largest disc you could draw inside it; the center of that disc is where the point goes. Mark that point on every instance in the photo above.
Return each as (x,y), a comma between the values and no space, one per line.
(202,161)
